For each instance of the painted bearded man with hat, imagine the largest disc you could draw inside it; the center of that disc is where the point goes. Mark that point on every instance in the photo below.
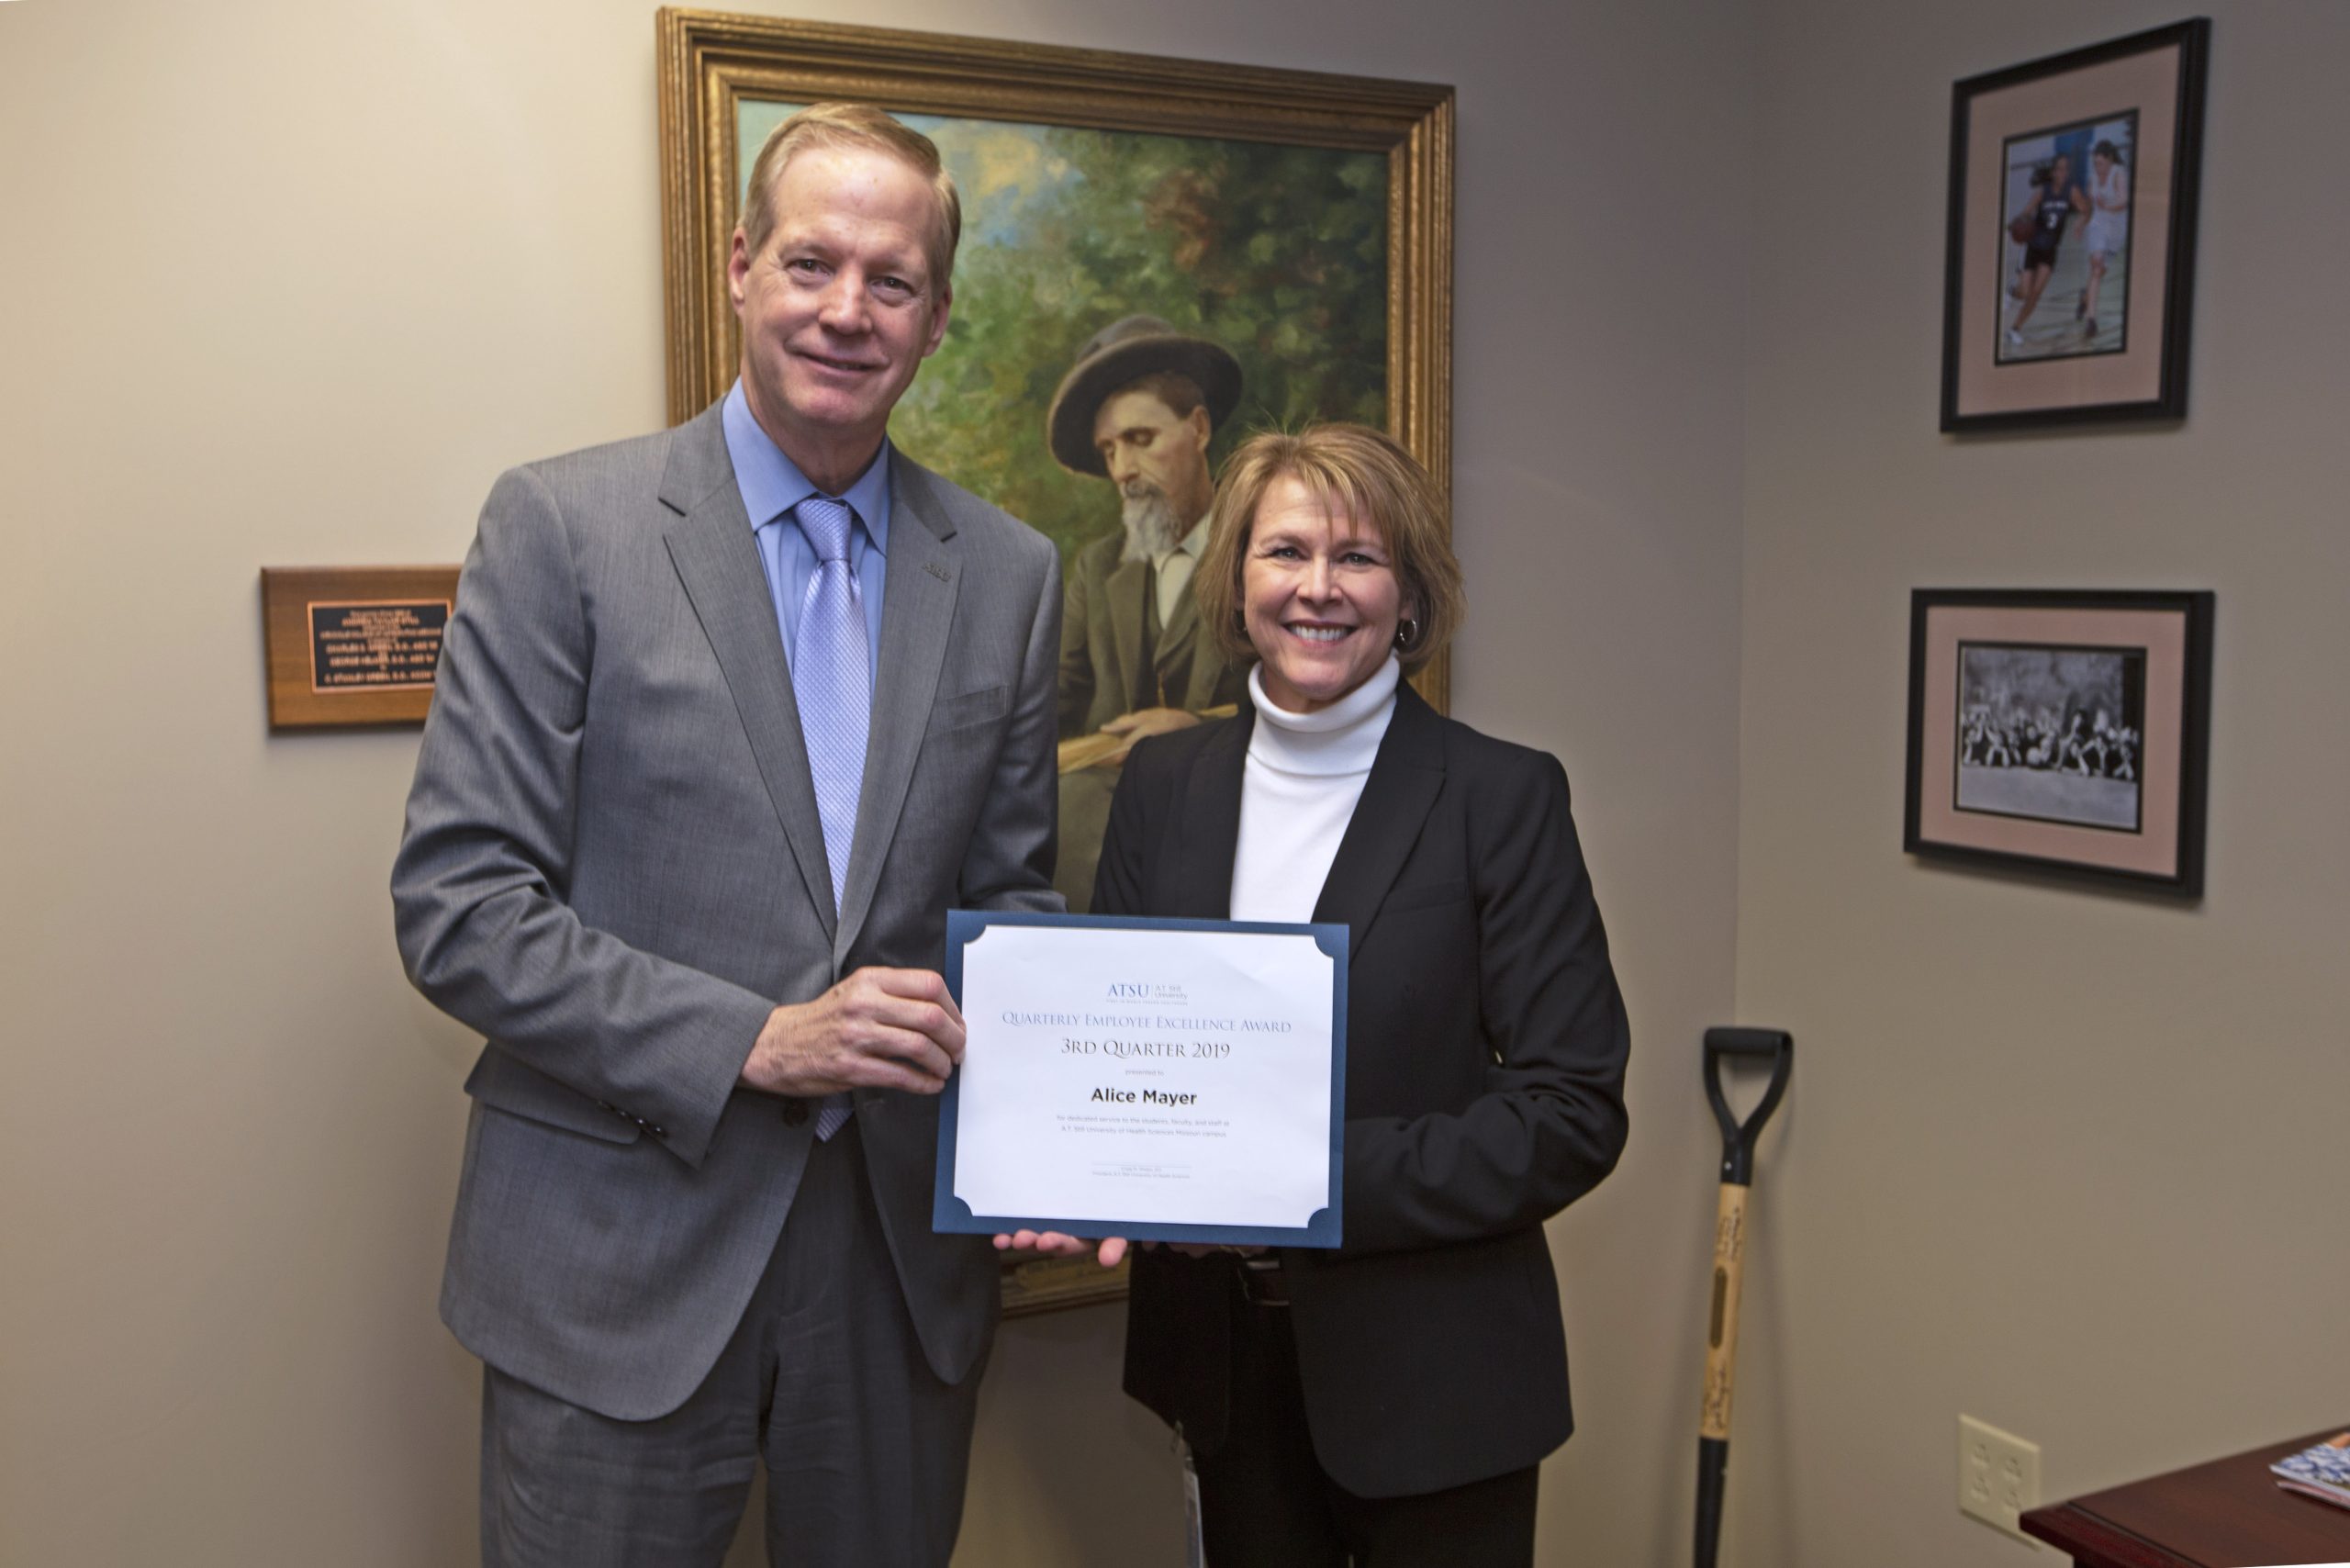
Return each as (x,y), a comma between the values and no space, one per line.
(1138,408)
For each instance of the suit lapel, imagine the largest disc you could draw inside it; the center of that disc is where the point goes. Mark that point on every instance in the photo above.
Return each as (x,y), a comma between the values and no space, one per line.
(921,580)
(1199,874)
(1404,779)
(717,559)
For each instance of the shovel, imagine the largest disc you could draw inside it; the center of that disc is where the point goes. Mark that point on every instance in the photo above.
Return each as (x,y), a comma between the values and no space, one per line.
(1778,1049)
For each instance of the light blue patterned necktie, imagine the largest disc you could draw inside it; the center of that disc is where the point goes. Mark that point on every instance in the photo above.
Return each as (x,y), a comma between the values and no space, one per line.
(835,692)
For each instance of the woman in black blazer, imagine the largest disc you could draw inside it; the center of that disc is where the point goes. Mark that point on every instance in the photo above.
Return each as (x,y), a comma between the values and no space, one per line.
(1386,1403)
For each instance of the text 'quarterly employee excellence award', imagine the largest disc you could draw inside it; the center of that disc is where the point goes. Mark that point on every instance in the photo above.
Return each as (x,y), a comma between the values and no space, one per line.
(1160,1079)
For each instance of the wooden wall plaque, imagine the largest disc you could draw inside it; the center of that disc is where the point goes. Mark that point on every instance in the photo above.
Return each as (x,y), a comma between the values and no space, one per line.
(354,644)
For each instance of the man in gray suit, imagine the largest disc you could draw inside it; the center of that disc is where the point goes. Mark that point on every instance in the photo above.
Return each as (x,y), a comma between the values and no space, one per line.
(727,718)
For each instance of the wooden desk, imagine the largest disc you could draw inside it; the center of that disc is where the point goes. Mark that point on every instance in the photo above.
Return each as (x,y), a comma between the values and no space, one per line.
(2227,1514)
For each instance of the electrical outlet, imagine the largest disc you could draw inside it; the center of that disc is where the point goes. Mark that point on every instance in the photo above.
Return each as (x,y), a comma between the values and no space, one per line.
(1998,1476)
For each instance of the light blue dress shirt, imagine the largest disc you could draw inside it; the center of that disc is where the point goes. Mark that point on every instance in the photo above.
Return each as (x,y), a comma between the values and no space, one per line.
(771,485)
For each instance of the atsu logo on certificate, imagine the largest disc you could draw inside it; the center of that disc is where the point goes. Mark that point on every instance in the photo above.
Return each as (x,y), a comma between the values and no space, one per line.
(1165,994)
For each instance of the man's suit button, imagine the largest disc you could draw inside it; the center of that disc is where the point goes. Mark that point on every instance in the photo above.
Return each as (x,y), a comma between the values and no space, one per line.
(794,1112)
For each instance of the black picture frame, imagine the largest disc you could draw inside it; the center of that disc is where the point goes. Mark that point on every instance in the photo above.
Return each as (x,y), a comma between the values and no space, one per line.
(2060,730)
(2126,117)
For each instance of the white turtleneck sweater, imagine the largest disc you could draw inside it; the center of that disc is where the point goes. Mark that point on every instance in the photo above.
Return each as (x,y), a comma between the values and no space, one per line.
(1305,772)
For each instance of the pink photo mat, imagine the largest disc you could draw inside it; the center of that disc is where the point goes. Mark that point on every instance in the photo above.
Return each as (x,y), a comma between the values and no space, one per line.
(2153,850)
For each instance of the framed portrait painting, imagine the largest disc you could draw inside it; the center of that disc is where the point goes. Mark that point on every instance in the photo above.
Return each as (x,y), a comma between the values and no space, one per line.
(2061,730)
(2069,280)
(1227,247)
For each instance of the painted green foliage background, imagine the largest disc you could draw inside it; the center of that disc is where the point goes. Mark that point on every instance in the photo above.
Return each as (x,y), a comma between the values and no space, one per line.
(1279,253)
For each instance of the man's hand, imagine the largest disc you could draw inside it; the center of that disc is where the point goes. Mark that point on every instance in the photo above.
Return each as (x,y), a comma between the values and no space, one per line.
(1144,723)
(878,1029)
(1111,1250)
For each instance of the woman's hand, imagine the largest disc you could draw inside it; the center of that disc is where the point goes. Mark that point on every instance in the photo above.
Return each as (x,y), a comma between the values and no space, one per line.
(1110,1251)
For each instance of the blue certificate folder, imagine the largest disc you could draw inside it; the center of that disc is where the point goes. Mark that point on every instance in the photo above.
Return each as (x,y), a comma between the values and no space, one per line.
(952,1215)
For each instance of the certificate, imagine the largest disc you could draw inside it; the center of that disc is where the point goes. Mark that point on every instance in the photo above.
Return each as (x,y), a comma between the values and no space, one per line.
(1160,1079)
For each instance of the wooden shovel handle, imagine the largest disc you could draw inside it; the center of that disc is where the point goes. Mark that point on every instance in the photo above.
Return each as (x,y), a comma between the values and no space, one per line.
(1721,1334)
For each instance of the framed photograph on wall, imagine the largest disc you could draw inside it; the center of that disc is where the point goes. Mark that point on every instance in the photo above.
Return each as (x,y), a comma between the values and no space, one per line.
(2060,730)
(1281,239)
(2070,275)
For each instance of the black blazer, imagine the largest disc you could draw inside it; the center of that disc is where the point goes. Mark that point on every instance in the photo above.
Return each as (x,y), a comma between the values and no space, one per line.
(1486,1051)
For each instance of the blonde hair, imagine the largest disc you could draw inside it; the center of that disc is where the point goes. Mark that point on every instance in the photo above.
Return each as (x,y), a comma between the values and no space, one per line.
(1351,470)
(863,127)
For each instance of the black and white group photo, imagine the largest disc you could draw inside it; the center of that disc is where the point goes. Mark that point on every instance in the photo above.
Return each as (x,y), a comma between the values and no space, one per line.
(2052,732)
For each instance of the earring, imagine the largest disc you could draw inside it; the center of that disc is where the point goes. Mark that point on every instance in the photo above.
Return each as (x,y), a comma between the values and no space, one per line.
(1408,632)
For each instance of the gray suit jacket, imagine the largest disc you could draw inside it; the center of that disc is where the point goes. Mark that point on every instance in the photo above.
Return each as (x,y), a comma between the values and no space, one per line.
(613,868)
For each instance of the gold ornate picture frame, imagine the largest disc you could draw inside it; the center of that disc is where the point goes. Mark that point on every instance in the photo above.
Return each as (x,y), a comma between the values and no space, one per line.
(1302,220)
(717,69)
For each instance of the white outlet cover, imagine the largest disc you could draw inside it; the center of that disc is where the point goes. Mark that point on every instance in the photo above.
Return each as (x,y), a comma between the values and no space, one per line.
(1998,1476)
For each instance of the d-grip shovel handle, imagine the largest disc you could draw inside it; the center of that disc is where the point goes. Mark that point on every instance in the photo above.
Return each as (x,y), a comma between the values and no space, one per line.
(1729,1259)
(1738,1137)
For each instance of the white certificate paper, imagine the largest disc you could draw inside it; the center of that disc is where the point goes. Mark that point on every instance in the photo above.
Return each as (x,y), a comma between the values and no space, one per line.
(1153,1078)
